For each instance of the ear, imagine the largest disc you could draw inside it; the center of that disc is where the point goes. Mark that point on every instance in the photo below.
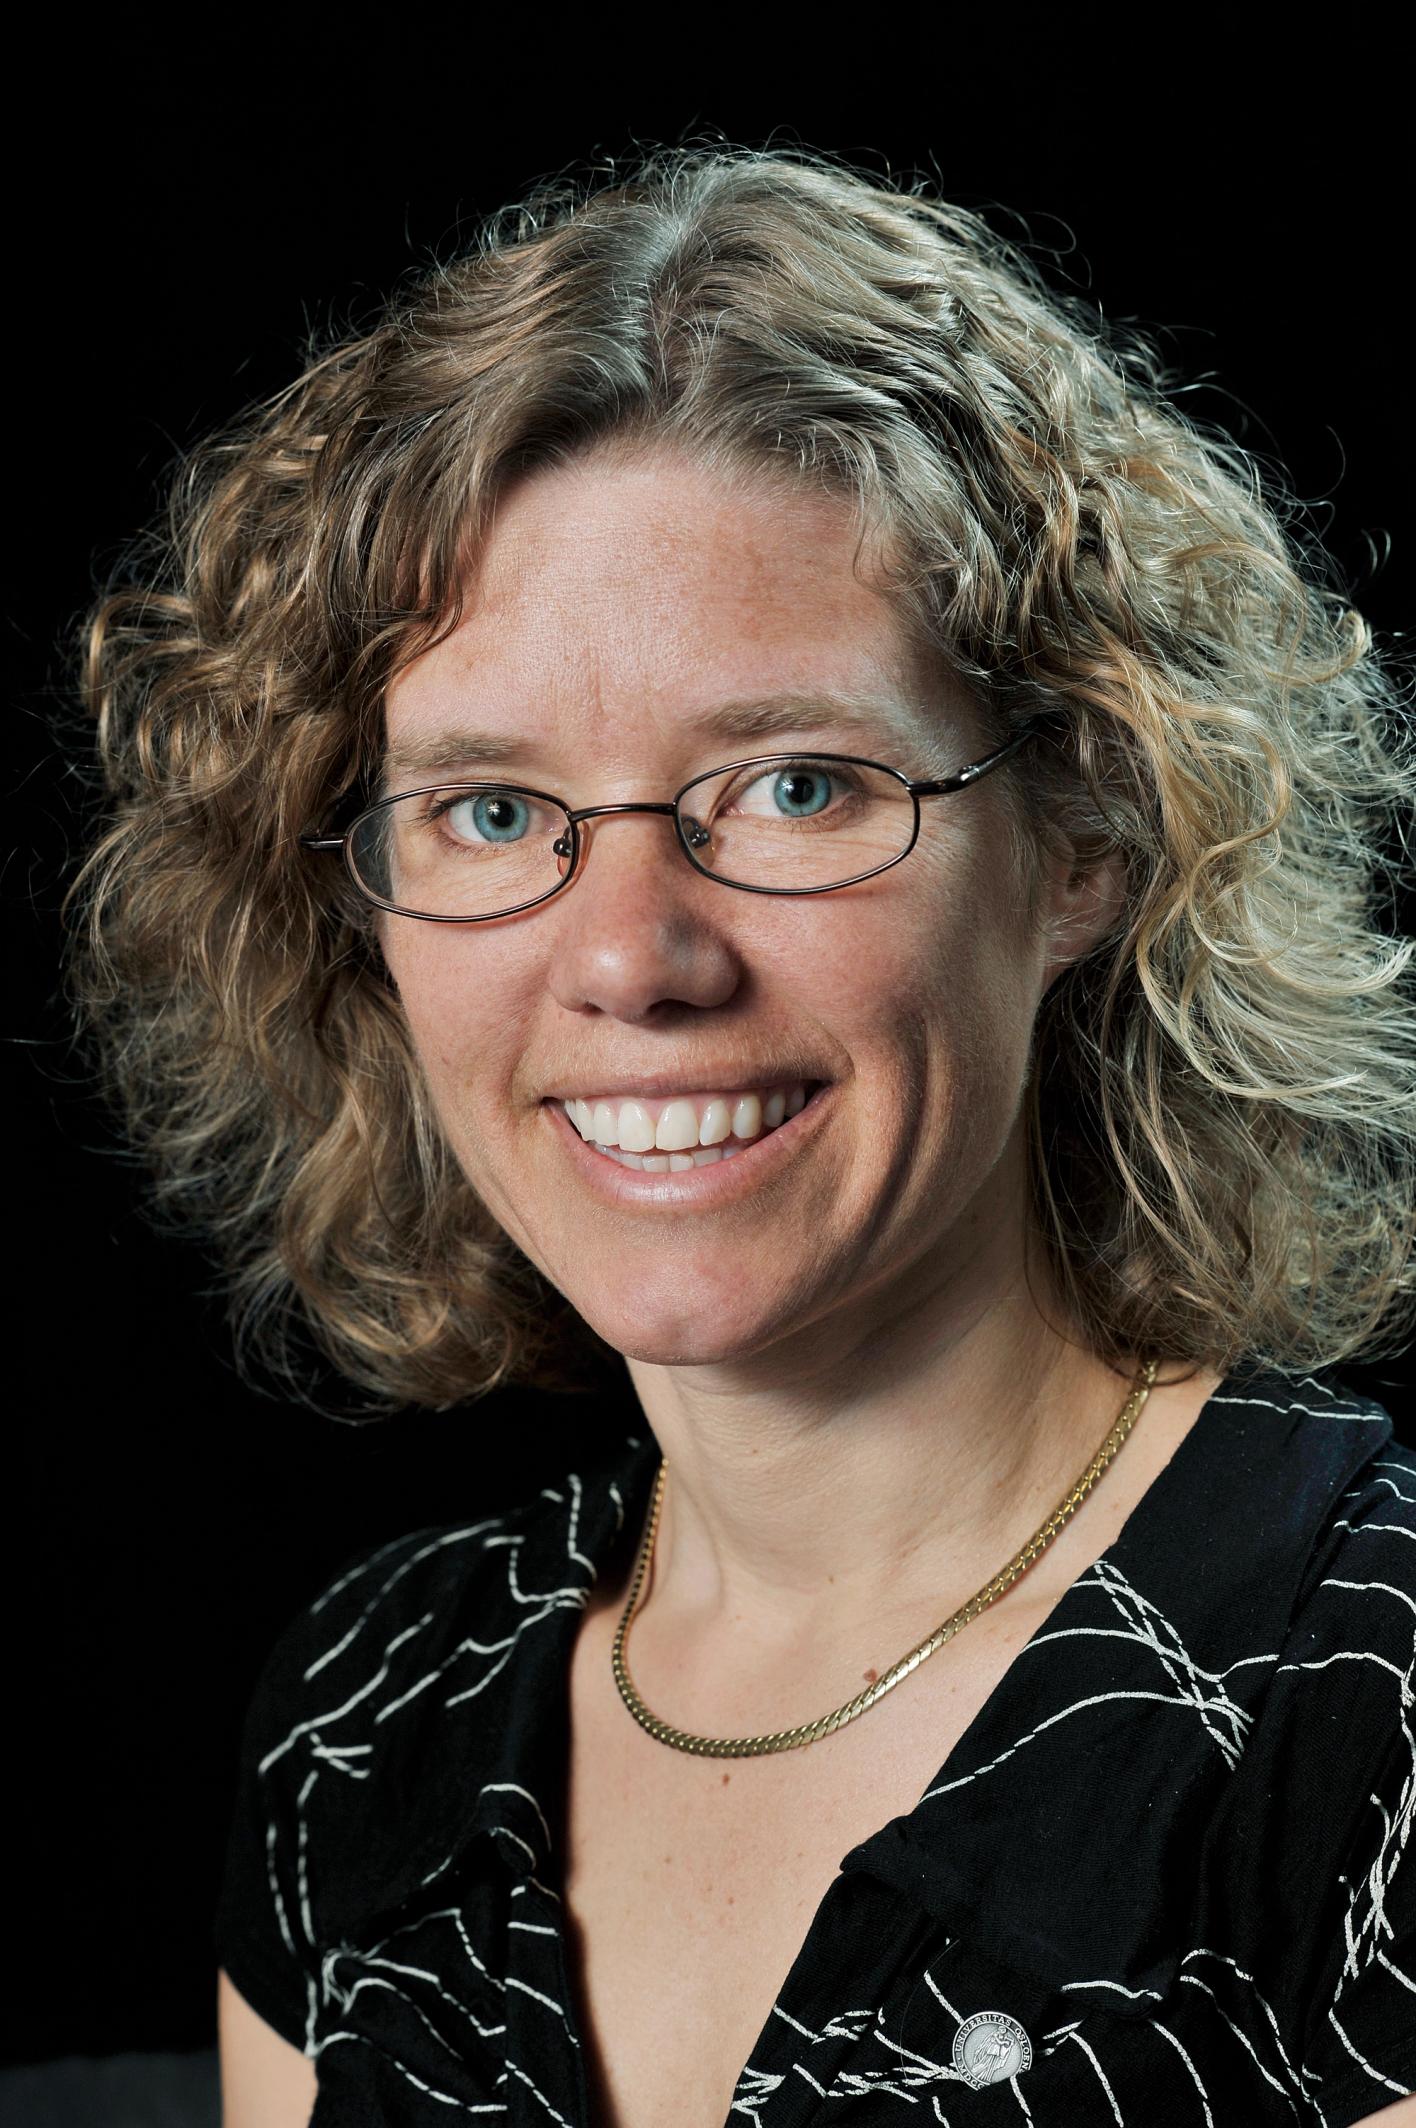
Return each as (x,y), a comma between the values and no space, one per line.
(1083,903)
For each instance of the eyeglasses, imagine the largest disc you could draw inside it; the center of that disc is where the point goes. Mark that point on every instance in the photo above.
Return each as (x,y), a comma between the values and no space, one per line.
(803,823)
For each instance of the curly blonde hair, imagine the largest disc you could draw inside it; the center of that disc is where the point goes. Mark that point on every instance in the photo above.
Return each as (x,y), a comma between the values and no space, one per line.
(1220,1107)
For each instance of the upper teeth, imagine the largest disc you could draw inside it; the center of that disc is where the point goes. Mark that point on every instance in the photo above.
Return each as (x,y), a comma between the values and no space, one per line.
(674,1123)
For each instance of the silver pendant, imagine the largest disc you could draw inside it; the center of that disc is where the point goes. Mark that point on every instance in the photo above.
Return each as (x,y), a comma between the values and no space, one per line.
(990,2048)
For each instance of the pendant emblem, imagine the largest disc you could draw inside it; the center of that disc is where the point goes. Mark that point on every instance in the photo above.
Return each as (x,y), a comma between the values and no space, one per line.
(990,2048)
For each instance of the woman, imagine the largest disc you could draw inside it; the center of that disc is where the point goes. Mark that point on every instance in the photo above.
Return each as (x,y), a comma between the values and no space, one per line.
(728,786)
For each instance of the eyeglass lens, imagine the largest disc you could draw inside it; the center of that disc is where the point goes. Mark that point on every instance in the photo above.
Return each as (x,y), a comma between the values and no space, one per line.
(791,822)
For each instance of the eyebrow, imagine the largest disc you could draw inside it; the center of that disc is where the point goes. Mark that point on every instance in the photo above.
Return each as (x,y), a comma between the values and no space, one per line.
(758,717)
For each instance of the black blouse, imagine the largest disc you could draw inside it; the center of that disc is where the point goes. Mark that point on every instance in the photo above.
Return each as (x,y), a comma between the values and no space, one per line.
(1165,1876)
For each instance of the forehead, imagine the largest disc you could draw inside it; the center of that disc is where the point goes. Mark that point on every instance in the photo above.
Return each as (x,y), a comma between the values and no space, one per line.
(624,603)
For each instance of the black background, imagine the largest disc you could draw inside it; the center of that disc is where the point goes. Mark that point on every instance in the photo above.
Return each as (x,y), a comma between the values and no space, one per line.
(177,221)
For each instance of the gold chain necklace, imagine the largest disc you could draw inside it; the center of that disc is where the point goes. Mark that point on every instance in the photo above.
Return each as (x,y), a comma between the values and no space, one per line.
(741,1747)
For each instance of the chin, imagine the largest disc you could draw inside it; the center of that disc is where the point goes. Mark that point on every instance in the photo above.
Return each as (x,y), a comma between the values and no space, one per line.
(702,1340)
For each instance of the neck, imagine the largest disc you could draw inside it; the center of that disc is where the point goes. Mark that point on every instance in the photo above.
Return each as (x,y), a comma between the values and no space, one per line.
(885,1468)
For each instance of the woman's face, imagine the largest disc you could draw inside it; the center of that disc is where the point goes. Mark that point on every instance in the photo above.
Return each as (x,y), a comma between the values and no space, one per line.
(617,608)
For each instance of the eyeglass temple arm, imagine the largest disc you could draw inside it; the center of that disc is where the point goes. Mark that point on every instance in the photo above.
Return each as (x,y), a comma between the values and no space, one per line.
(971,774)
(978,769)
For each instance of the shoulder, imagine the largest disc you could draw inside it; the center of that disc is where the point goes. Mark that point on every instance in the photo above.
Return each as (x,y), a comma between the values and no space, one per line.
(1345,1675)
(1339,1756)
(1312,1480)
(383,1607)
(404,1593)
(1319,1550)
(1308,1837)
(1344,1671)
(410,1682)
(1357,1597)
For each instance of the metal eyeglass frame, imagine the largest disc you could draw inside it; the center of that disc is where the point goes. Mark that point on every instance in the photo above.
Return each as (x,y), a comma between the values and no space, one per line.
(938,787)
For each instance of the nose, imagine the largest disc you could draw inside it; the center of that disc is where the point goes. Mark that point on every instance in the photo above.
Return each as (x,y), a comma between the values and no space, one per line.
(638,928)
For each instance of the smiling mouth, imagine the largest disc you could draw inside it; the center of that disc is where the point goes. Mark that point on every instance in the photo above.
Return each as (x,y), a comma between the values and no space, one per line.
(679,1163)
(670,1169)
(751,1123)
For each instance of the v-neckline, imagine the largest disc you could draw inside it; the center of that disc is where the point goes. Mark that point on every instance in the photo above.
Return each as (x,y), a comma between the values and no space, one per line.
(995,1719)
(1176,1476)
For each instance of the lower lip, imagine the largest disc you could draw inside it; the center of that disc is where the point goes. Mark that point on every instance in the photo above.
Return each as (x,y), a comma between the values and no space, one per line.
(720,1183)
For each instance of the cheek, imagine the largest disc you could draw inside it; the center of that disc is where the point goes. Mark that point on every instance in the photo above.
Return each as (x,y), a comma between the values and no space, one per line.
(429,1006)
(954,982)
(949,948)
(454,1011)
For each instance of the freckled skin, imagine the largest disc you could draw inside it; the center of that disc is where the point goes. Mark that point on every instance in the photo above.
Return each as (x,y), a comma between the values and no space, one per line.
(613,603)
(796,1352)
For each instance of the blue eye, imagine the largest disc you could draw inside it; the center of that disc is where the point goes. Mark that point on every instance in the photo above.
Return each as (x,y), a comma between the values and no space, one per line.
(798,790)
(792,789)
(487,816)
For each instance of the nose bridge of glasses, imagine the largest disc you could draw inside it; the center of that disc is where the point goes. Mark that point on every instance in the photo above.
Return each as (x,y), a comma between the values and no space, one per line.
(591,812)
(690,829)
